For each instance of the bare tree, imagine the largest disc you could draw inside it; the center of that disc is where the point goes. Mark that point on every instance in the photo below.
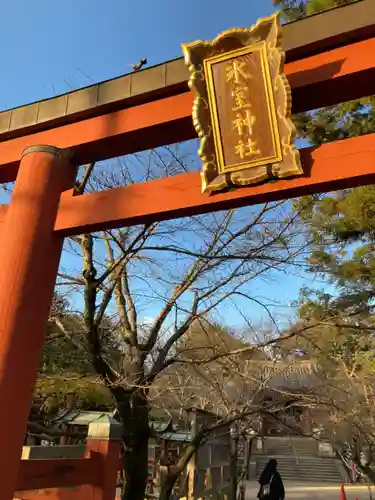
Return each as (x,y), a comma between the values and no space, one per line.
(340,345)
(144,287)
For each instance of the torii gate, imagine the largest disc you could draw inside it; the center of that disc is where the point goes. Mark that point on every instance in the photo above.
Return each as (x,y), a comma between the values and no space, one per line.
(330,59)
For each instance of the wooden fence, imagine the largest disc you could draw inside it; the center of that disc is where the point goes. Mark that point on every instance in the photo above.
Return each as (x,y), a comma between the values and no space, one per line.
(90,472)
(73,472)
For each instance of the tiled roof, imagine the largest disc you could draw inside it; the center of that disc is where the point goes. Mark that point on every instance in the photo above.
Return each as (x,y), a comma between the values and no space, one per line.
(284,375)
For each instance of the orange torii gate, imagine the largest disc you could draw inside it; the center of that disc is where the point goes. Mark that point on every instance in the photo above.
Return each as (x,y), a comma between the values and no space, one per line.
(330,59)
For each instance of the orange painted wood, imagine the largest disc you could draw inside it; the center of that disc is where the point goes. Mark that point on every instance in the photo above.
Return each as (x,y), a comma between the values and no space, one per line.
(333,166)
(328,78)
(93,478)
(29,256)
(41,474)
(75,493)
(105,488)
(334,64)
(127,131)
(3,211)
(331,77)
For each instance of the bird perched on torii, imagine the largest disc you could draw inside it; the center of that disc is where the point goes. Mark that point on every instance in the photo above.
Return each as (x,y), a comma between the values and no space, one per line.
(139,65)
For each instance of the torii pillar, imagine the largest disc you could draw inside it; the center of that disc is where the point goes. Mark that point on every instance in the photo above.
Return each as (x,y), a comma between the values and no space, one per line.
(29,257)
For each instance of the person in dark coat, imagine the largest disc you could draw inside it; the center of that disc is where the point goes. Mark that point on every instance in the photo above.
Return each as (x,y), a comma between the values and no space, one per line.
(271,484)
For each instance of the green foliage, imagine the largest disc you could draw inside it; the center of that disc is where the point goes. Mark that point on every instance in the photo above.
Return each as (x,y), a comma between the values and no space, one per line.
(291,9)
(343,326)
(60,355)
(349,119)
(342,230)
(315,6)
(340,225)
(65,366)
(89,392)
(334,123)
(341,233)
(296,9)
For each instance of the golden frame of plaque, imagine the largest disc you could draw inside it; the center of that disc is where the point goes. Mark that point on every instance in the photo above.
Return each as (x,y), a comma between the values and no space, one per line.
(225,75)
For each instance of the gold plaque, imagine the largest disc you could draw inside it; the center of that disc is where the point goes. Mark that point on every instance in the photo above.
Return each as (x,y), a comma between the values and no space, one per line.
(242,107)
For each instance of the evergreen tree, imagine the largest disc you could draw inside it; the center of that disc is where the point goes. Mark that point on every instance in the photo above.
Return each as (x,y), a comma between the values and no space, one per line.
(341,230)
(296,9)
(340,224)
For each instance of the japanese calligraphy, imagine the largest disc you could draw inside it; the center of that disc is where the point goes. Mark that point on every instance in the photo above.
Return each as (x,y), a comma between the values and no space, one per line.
(242,107)
(239,97)
(243,122)
(246,148)
(236,72)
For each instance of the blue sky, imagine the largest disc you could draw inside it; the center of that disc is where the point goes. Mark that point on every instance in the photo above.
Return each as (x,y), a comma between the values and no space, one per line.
(48,48)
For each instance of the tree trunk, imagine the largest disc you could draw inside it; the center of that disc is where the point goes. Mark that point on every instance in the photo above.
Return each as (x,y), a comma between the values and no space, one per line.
(175,471)
(136,470)
(135,418)
(167,486)
(233,464)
